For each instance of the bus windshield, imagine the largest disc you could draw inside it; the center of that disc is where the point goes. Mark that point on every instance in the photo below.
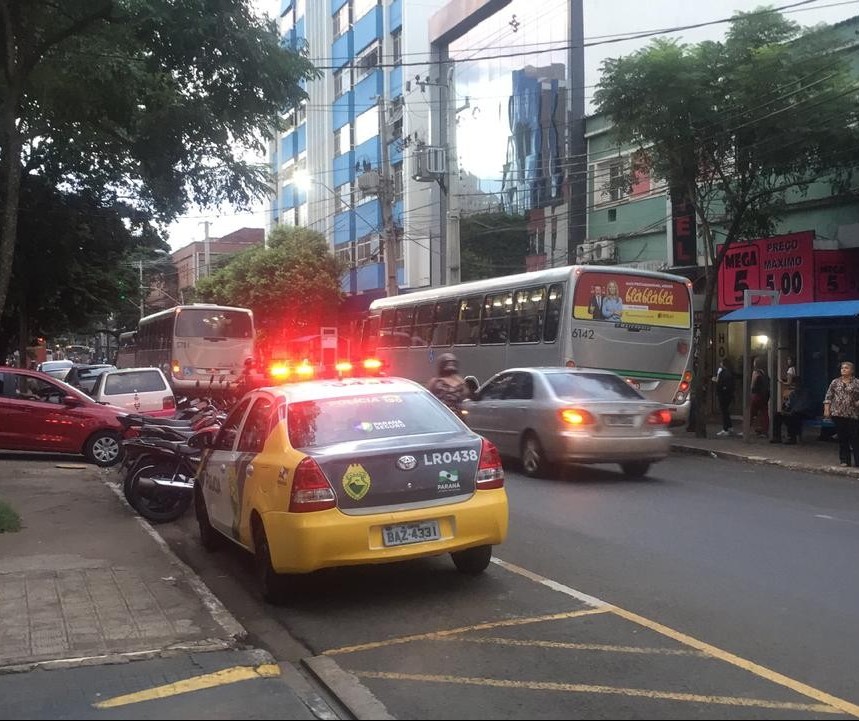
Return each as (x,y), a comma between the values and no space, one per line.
(208,323)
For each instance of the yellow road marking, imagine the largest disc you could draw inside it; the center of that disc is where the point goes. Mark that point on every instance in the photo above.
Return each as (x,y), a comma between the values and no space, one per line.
(432,635)
(577,646)
(586,688)
(842,705)
(750,666)
(197,683)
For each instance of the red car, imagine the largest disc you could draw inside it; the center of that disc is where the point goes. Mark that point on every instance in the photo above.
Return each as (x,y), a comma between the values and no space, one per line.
(41,413)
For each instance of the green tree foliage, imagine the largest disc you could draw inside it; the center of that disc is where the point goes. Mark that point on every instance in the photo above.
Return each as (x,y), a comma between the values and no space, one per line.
(154,101)
(741,126)
(492,244)
(71,269)
(292,285)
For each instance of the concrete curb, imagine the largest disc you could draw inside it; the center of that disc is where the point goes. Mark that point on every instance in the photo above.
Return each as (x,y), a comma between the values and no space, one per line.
(762,460)
(355,697)
(234,630)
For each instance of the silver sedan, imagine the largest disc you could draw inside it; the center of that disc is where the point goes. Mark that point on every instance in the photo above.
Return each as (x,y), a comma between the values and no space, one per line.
(555,416)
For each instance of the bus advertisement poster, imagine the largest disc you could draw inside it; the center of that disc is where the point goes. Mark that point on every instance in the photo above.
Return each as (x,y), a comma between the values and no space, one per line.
(632,300)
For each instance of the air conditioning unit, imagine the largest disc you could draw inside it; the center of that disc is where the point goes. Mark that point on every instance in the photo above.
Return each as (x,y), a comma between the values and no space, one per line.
(604,250)
(585,252)
(431,162)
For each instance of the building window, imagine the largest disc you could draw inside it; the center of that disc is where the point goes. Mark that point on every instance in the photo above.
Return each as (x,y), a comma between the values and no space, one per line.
(344,139)
(398,182)
(366,61)
(366,126)
(342,20)
(343,197)
(340,82)
(362,7)
(346,254)
(364,250)
(612,214)
(397,46)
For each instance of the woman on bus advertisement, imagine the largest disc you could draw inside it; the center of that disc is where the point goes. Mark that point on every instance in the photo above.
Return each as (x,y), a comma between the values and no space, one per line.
(634,300)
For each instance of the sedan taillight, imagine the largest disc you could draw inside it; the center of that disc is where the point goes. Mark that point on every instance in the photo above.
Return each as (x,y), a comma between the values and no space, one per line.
(168,403)
(490,472)
(577,417)
(311,490)
(659,418)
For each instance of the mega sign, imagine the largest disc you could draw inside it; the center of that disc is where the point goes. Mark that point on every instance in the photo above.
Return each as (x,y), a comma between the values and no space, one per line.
(784,263)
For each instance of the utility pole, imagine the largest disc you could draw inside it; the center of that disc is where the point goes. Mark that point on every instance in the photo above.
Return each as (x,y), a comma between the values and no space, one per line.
(206,257)
(140,284)
(386,200)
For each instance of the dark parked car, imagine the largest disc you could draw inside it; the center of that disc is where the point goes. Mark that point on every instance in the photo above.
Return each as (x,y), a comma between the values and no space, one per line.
(554,416)
(40,413)
(85,375)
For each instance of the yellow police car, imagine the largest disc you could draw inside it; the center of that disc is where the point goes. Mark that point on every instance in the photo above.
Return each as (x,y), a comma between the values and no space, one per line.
(344,472)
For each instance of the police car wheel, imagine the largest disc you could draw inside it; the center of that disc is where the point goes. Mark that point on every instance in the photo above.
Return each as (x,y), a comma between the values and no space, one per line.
(271,584)
(210,539)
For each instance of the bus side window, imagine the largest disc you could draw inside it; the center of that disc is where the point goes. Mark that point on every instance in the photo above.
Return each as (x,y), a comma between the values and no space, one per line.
(468,324)
(526,321)
(554,307)
(370,335)
(402,337)
(445,323)
(423,325)
(496,315)
(386,329)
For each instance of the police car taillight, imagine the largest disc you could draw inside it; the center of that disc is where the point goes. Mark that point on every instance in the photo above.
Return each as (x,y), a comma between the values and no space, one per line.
(490,472)
(311,490)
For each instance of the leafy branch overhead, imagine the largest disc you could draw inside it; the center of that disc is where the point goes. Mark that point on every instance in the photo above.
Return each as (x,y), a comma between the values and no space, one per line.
(152,103)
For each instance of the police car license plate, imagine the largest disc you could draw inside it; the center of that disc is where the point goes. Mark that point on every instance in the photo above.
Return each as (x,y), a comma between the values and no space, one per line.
(405,533)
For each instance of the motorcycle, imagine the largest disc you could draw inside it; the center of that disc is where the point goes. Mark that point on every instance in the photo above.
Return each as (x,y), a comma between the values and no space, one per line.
(161,460)
(160,487)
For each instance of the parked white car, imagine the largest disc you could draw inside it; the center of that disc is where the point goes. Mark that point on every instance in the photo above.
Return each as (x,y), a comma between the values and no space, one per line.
(137,390)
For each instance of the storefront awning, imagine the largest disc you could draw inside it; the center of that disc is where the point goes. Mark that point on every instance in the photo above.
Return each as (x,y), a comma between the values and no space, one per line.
(822,309)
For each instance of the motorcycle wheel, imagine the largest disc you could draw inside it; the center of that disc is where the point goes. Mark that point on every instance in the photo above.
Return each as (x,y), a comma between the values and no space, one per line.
(129,467)
(154,503)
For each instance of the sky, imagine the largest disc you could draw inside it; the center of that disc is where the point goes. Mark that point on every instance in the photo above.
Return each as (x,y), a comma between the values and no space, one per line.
(602,18)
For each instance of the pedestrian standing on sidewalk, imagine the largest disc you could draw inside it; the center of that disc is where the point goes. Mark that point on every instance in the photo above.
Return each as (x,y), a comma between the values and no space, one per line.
(724,380)
(759,410)
(797,406)
(841,404)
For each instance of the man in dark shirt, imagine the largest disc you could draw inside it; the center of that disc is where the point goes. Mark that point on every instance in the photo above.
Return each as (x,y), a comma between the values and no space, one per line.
(796,408)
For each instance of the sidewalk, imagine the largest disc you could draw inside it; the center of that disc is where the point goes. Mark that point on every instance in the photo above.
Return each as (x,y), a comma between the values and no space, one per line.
(810,454)
(86,583)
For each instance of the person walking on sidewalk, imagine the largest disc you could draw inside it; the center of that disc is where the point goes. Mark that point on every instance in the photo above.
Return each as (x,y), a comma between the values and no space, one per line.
(724,380)
(841,404)
(796,407)
(759,410)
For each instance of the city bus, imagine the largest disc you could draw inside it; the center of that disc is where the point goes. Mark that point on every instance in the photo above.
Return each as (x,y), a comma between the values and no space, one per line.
(634,322)
(200,347)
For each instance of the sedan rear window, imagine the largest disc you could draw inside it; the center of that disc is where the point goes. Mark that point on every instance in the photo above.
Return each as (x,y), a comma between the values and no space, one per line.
(136,382)
(318,423)
(595,386)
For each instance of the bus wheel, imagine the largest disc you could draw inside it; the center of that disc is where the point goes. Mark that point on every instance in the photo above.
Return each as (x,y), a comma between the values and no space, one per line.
(533,457)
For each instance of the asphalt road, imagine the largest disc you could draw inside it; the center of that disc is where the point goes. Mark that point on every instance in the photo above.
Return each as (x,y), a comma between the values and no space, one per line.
(711,589)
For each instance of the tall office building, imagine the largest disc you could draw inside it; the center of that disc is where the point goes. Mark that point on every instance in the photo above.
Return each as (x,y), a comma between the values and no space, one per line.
(371,54)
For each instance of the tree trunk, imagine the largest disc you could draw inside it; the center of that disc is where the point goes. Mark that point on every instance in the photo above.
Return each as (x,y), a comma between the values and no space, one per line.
(23,338)
(10,185)
(702,358)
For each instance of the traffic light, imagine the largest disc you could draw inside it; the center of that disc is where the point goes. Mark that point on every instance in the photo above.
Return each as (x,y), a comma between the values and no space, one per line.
(121,285)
